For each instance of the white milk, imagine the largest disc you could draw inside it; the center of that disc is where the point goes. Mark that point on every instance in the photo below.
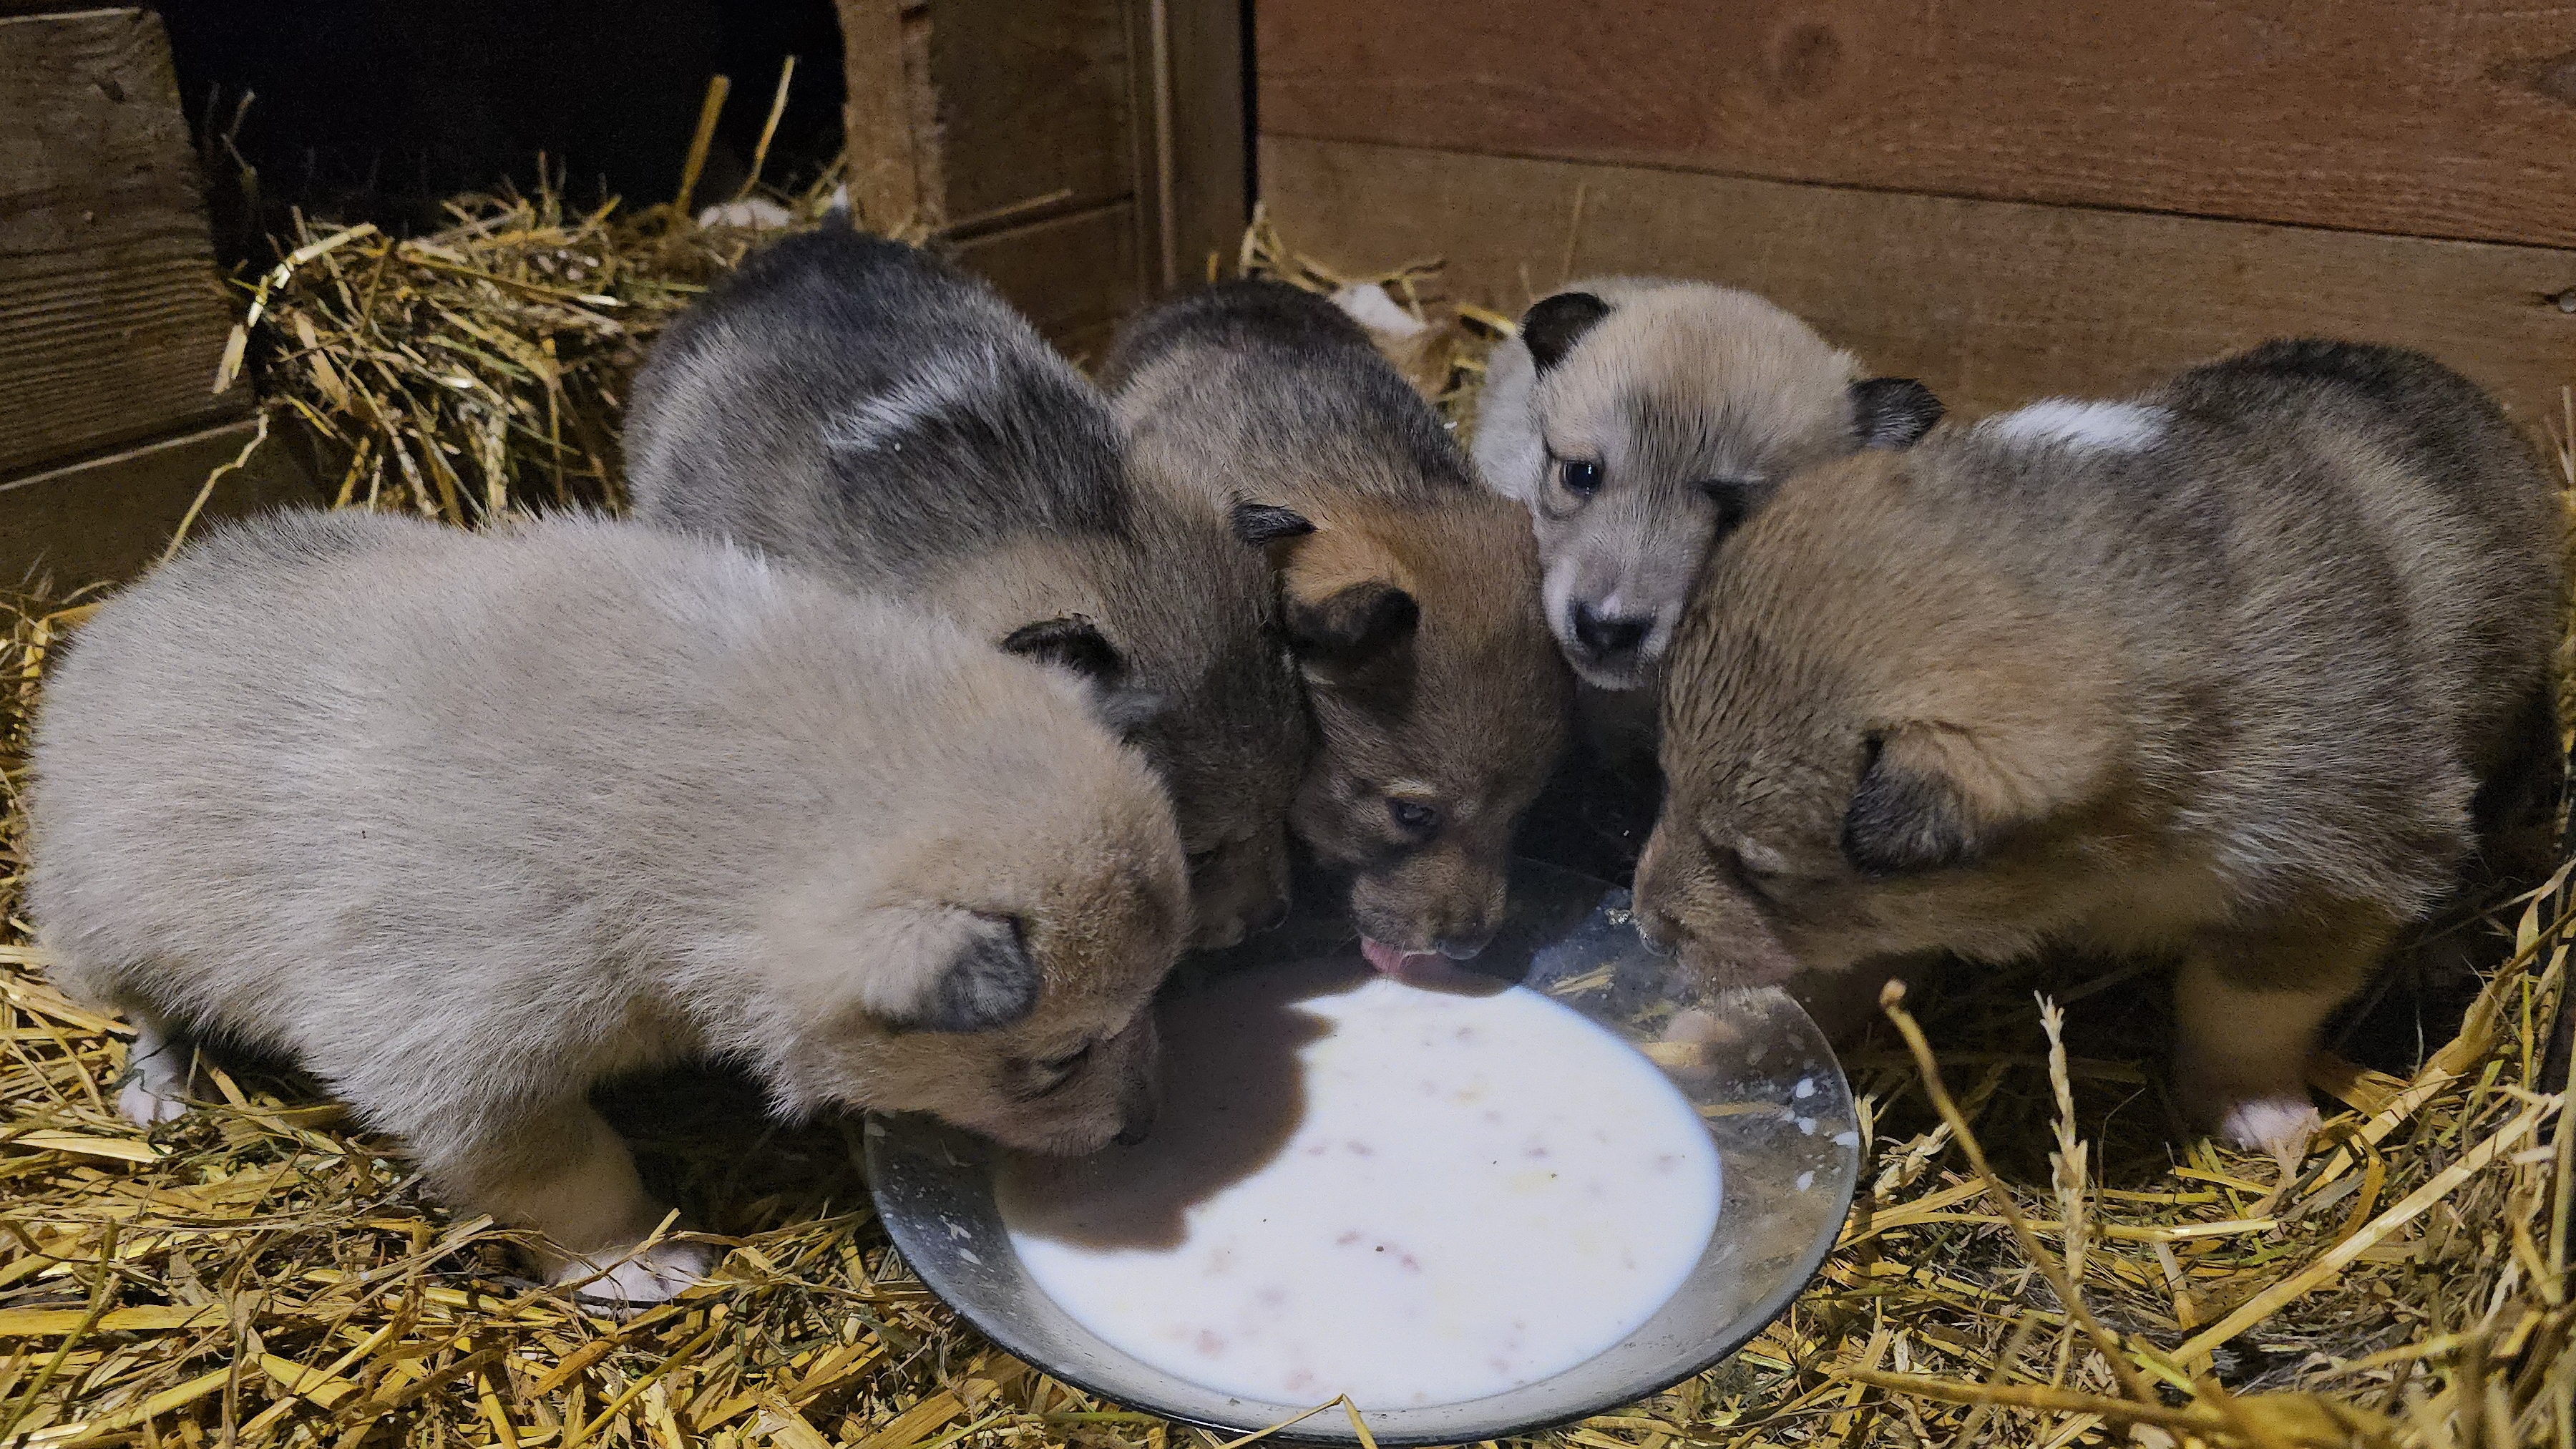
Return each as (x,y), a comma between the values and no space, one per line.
(1360,1186)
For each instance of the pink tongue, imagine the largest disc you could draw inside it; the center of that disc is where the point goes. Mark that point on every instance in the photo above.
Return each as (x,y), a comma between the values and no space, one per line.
(1388,959)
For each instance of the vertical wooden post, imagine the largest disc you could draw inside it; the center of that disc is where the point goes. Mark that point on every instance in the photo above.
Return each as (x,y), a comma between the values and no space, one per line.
(884,169)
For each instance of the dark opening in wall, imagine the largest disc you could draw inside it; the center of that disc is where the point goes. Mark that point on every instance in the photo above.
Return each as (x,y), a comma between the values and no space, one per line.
(374,110)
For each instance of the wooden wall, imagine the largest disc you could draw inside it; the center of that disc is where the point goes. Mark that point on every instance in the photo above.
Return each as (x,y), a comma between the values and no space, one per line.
(2008,198)
(1085,155)
(111,317)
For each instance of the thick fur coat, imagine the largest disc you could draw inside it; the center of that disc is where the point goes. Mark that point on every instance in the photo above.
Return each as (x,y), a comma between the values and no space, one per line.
(1410,596)
(855,405)
(2253,669)
(467,824)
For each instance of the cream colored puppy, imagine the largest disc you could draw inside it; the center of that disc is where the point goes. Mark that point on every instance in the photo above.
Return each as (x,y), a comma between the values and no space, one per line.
(469,824)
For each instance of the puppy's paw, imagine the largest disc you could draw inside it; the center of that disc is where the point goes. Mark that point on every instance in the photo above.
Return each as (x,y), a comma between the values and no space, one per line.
(149,1099)
(651,1276)
(2279,1125)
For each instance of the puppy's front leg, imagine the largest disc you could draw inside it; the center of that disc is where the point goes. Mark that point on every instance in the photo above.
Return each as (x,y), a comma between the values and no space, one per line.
(2248,1009)
(567,1174)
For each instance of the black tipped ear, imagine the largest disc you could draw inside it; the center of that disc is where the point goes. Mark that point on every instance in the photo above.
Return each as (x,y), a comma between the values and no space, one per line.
(1553,325)
(1902,820)
(1263,523)
(1891,412)
(1072,642)
(1351,625)
(991,982)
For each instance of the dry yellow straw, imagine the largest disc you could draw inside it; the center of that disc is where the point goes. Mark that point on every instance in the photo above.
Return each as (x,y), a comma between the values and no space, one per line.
(1891,1000)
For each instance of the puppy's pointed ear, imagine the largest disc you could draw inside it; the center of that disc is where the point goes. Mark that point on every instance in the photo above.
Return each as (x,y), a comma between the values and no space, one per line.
(1263,524)
(1552,325)
(1072,643)
(1892,412)
(940,968)
(1352,628)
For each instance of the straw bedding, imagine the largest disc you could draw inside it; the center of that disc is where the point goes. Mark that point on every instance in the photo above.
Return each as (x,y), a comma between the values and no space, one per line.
(2037,1256)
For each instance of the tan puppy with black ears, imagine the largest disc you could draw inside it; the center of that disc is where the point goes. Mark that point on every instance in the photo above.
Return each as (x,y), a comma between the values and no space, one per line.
(1641,420)
(1410,597)
(469,824)
(2253,669)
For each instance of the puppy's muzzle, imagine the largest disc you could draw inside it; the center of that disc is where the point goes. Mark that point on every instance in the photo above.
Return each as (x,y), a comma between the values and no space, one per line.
(1608,638)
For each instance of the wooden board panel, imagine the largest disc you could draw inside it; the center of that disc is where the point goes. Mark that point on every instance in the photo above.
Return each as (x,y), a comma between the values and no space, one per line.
(1076,276)
(109,518)
(1206,151)
(2455,120)
(1034,100)
(1991,303)
(110,321)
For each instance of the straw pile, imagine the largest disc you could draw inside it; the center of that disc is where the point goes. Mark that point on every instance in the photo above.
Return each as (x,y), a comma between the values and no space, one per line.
(2033,1259)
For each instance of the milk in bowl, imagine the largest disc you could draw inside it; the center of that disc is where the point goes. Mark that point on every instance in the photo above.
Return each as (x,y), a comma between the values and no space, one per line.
(1362,1186)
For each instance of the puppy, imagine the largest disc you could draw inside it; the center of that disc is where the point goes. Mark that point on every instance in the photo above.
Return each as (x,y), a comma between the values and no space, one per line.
(2243,670)
(848,403)
(1410,597)
(467,824)
(1641,420)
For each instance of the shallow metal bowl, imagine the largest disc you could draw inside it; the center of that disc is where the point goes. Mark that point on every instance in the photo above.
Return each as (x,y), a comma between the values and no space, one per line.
(1773,1097)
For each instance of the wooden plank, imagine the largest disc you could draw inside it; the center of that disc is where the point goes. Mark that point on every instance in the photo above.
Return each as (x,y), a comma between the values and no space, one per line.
(1201,194)
(109,518)
(2449,120)
(878,116)
(1034,103)
(1991,303)
(111,322)
(1075,276)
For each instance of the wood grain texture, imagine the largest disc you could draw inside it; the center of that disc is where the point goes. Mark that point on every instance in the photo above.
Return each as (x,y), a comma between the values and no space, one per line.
(1209,148)
(879,116)
(111,323)
(1034,99)
(2453,120)
(1991,303)
(1075,276)
(109,518)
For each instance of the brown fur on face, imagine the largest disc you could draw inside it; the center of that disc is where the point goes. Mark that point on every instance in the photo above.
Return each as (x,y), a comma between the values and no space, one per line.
(2240,670)
(1410,597)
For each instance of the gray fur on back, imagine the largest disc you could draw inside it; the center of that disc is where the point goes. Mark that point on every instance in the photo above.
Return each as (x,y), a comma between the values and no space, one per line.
(855,405)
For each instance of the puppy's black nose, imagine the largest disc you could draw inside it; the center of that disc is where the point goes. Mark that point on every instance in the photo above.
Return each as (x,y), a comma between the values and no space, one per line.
(1605,635)
(1133,1134)
(1463,948)
(1275,917)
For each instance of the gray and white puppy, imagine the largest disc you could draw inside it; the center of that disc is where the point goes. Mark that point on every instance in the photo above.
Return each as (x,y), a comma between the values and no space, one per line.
(850,403)
(2254,669)
(467,824)
(1641,420)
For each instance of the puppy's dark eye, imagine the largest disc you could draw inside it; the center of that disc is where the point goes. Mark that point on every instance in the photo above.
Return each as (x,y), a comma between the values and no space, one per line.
(1413,817)
(1581,476)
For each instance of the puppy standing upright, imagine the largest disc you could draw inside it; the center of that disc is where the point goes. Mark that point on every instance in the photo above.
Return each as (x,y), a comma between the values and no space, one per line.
(468,824)
(1641,420)
(1411,596)
(850,403)
(2244,669)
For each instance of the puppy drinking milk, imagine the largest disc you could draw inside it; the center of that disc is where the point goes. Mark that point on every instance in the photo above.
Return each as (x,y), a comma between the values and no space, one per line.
(850,403)
(2244,670)
(468,824)
(1641,420)
(1411,596)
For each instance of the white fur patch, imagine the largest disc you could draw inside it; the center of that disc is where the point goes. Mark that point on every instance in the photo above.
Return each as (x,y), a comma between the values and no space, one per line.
(652,1275)
(2114,427)
(2280,1126)
(1368,304)
(952,382)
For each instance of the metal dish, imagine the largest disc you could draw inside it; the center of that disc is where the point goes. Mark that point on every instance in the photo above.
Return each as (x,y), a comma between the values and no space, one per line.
(1773,1097)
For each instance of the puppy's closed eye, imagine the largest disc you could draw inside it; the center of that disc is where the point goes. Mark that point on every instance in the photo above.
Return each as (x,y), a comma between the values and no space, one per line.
(1050,1074)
